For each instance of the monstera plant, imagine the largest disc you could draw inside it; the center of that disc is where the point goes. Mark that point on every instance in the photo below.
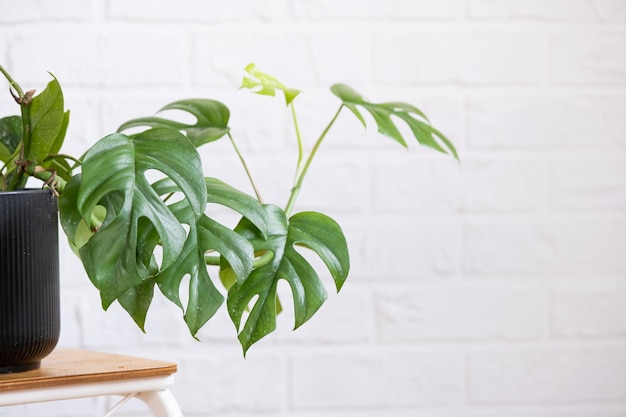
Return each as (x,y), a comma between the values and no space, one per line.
(136,232)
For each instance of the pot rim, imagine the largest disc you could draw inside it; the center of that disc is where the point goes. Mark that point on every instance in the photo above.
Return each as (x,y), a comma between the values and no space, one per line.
(26,191)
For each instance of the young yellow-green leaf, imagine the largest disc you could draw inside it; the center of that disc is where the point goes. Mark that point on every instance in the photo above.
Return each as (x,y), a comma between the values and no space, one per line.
(261,83)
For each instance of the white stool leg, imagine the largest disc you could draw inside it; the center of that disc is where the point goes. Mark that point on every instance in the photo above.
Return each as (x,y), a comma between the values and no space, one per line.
(119,404)
(162,403)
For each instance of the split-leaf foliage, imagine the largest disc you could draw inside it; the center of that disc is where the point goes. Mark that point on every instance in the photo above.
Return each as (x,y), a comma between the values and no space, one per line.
(136,234)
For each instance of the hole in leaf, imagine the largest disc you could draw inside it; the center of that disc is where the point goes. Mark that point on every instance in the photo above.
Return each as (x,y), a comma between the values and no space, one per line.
(153,175)
(183,290)
(246,313)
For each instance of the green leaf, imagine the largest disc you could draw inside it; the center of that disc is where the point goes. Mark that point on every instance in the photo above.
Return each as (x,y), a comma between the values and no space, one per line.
(57,144)
(10,136)
(324,236)
(312,230)
(219,192)
(60,165)
(48,122)
(205,234)
(227,276)
(425,134)
(211,120)
(136,301)
(204,300)
(76,229)
(262,282)
(70,217)
(264,84)
(117,257)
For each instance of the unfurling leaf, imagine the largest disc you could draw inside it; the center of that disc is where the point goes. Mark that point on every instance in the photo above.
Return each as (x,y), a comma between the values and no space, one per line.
(264,84)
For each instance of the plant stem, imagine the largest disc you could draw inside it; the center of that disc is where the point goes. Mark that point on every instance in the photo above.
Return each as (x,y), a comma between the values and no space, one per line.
(76,161)
(24,100)
(299,139)
(245,167)
(296,189)
(259,261)
(48,177)
(12,83)
(19,180)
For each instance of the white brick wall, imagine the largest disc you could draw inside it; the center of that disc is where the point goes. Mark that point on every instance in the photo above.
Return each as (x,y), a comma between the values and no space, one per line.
(493,289)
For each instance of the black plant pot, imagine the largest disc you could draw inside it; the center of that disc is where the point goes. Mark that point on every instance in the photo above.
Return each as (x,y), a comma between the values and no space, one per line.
(29,279)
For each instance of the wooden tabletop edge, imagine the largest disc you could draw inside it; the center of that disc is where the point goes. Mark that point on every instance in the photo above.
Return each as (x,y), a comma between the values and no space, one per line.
(75,366)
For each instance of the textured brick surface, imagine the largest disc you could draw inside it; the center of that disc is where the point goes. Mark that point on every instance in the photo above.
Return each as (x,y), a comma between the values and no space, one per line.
(393,379)
(598,186)
(232,384)
(482,313)
(548,374)
(546,121)
(395,9)
(582,311)
(575,247)
(207,11)
(550,11)
(588,58)
(491,288)
(473,57)
(37,10)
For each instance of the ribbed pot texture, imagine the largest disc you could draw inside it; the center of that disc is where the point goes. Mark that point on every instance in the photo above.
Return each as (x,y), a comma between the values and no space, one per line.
(29,279)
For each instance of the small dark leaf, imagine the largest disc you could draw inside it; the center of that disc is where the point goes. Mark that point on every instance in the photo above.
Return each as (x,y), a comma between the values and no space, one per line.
(10,136)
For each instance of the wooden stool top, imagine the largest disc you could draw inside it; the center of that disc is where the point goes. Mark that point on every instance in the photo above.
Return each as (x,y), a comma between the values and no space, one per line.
(74,366)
